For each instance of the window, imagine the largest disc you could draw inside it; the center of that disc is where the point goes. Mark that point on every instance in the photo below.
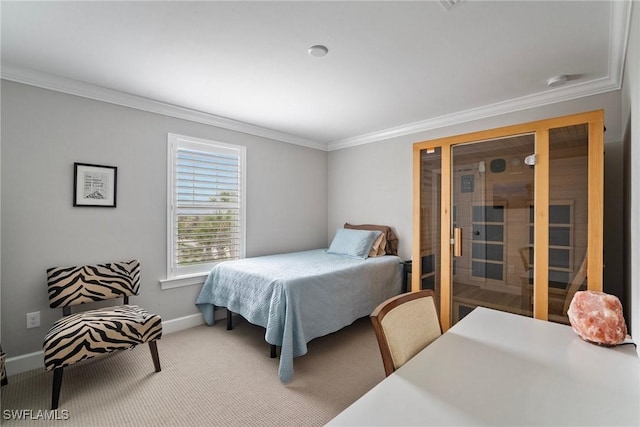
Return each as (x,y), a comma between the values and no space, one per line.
(206,205)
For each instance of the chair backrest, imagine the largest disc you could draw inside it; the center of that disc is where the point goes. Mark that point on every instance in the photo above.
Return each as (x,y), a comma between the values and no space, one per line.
(525,256)
(88,283)
(404,325)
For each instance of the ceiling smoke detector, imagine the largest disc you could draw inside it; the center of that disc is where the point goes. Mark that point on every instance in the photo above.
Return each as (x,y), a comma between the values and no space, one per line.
(450,4)
(318,50)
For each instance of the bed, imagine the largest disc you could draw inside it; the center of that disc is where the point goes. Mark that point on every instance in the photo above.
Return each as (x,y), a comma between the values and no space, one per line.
(300,296)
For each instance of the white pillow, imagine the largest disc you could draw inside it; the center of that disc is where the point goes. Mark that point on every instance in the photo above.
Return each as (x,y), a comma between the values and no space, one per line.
(354,243)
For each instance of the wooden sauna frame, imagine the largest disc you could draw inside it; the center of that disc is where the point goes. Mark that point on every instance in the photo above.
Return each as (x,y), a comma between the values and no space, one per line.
(595,205)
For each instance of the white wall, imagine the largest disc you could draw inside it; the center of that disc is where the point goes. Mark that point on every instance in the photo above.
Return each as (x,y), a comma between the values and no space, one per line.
(45,132)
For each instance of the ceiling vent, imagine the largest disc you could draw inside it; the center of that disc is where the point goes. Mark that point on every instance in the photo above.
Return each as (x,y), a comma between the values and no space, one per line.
(450,4)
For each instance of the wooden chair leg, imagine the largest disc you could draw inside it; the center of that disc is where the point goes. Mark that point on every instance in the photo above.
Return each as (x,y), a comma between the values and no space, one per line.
(153,346)
(57,384)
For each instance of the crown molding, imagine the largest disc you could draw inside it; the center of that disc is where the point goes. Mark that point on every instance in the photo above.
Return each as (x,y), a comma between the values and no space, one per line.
(618,39)
(568,93)
(30,77)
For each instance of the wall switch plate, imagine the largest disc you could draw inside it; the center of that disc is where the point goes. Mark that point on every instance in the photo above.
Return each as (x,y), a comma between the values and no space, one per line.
(33,319)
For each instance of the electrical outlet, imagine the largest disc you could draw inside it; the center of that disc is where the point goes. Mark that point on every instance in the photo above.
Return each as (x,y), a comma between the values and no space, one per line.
(33,319)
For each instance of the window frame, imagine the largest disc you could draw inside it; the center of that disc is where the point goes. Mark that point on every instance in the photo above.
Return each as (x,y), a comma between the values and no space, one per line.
(185,276)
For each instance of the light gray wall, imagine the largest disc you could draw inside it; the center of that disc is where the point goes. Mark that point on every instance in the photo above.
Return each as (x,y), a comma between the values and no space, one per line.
(45,132)
(373,183)
(0,217)
(631,122)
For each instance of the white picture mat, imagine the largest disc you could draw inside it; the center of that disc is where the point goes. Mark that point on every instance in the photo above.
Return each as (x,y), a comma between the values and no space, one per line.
(95,185)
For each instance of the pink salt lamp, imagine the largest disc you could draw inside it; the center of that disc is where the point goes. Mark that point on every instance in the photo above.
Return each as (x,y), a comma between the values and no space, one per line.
(597,318)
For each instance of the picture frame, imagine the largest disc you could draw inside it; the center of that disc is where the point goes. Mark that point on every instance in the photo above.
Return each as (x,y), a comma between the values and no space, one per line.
(94,185)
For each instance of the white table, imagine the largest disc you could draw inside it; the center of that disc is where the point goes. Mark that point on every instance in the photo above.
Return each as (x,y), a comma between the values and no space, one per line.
(496,368)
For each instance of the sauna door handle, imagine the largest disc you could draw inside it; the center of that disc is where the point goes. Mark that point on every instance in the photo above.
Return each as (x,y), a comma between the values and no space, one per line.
(457,241)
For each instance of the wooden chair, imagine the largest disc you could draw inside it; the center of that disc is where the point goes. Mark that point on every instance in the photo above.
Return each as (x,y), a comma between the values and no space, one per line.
(92,333)
(404,325)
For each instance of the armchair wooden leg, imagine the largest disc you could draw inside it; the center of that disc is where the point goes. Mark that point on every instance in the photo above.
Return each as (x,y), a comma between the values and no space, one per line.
(153,346)
(57,384)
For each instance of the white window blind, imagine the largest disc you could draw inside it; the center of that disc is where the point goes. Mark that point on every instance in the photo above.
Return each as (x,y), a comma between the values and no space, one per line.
(206,212)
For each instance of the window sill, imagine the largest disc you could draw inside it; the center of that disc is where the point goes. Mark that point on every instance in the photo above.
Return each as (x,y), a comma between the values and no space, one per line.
(179,282)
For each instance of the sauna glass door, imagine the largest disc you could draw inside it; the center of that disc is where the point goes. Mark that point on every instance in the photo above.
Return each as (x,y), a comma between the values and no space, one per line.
(492,190)
(568,216)
(507,218)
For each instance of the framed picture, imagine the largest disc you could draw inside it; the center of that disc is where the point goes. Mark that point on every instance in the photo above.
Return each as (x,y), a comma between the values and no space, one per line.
(94,185)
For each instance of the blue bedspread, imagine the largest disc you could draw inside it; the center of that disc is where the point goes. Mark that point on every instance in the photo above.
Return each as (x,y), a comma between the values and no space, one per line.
(300,296)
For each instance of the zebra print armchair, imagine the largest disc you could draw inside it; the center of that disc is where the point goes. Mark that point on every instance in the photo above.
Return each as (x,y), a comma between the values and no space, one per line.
(87,334)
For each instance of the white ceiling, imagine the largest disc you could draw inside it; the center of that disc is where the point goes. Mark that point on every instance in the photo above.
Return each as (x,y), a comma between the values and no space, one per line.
(393,67)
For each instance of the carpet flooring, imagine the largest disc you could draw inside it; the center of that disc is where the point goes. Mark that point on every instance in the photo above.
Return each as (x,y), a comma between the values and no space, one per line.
(210,377)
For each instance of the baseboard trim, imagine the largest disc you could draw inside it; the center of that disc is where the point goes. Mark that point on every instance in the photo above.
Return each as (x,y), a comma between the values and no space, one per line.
(181,323)
(27,362)
(24,363)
